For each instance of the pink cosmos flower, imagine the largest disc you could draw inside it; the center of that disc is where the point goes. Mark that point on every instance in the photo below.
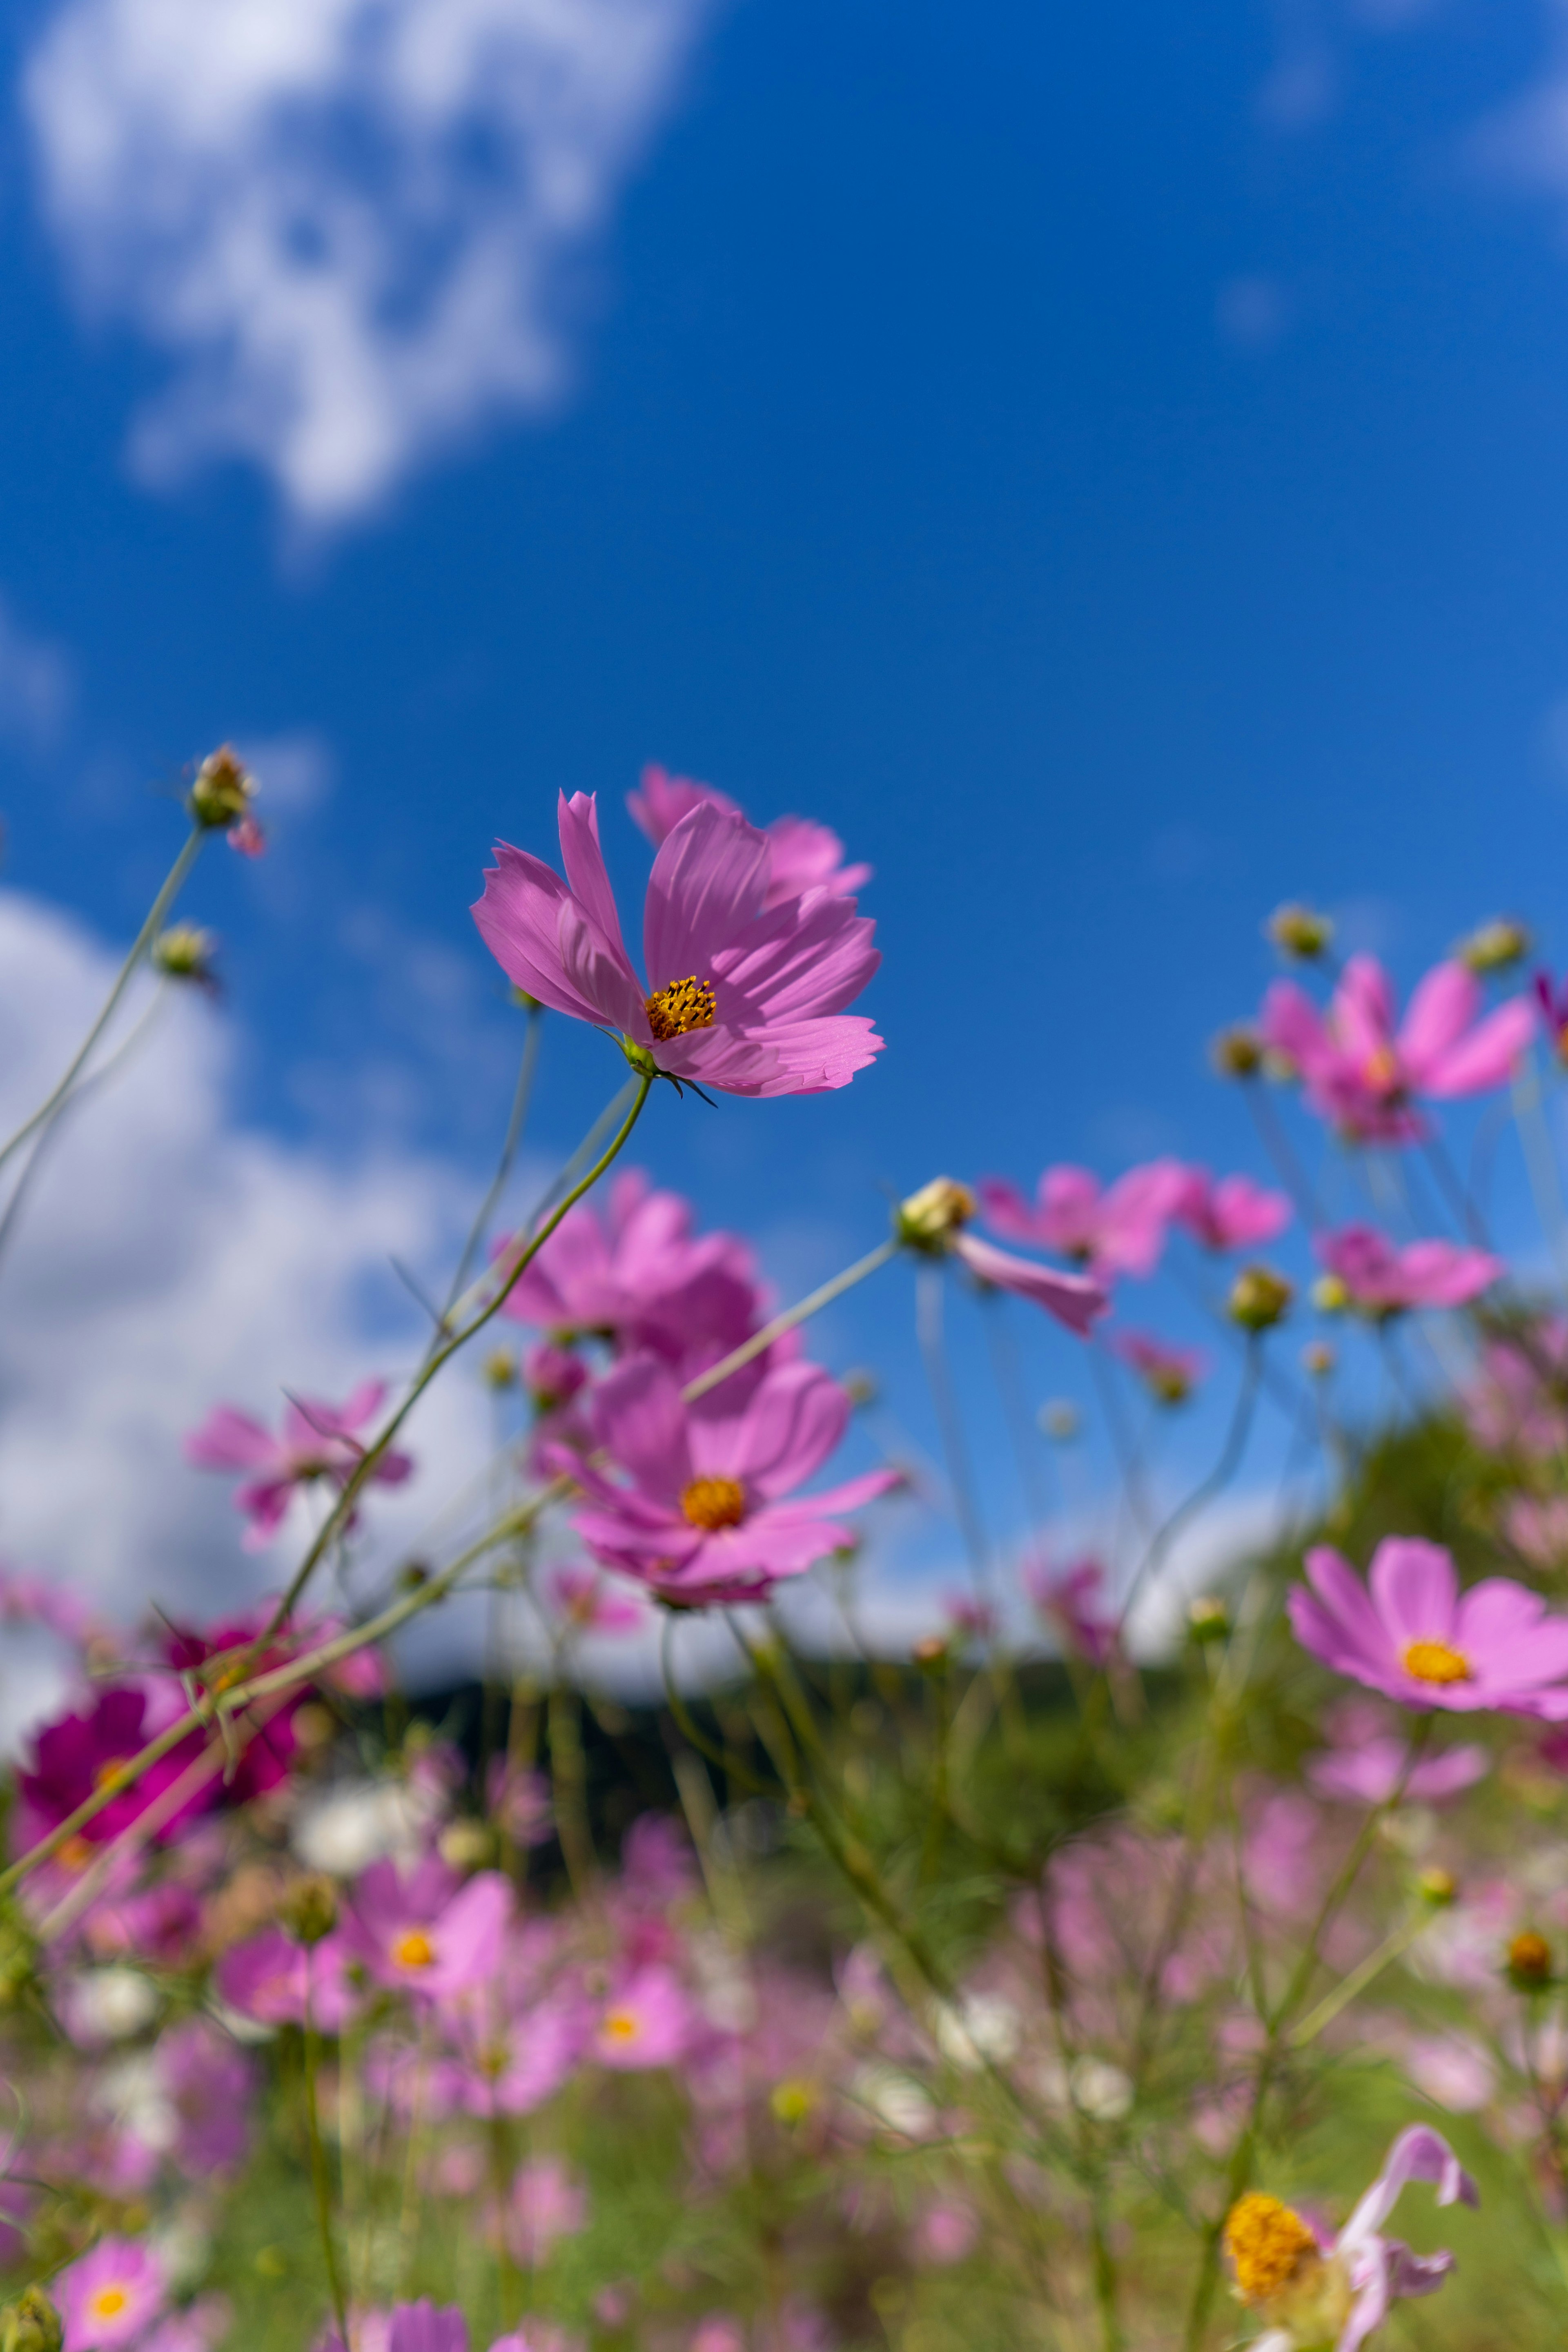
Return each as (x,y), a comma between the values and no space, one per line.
(800,854)
(111,2295)
(421,2327)
(417,1934)
(548,2201)
(1362,1073)
(591,1602)
(76,1756)
(1338,2294)
(700,1511)
(1385,1279)
(748,1000)
(1410,1634)
(317,1441)
(1169,1374)
(1518,1401)
(1370,1771)
(1072,1299)
(1537,1527)
(636,1274)
(1071,1602)
(551,1375)
(1234,1213)
(270,1976)
(646,2022)
(1118,1230)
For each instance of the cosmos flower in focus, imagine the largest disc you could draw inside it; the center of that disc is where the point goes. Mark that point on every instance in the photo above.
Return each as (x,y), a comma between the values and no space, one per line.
(1330,2298)
(697,1503)
(800,854)
(1364,1074)
(1409,1632)
(741,996)
(1383,1279)
(317,1441)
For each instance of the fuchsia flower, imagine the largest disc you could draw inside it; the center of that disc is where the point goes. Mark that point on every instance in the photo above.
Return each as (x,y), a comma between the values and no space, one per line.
(1234,1213)
(1118,1230)
(111,2296)
(1071,1600)
(1410,1634)
(422,2327)
(273,1980)
(317,1441)
(1553,1004)
(1314,2296)
(1169,1374)
(551,1375)
(1385,1279)
(424,1935)
(741,996)
(638,1275)
(1362,1073)
(800,853)
(76,1756)
(700,1509)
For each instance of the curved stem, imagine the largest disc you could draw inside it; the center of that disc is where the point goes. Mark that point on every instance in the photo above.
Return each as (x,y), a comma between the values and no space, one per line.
(94,1079)
(1219,1477)
(515,1124)
(149,931)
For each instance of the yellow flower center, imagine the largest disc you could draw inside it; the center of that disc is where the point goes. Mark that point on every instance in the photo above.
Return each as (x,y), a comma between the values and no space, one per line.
(413,1949)
(621,2025)
(714,1502)
(110,1776)
(1267,2245)
(108,2302)
(1434,1662)
(684,1004)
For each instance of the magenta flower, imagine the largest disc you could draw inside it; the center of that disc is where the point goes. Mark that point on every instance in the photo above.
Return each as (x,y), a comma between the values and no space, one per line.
(1071,1602)
(1383,1279)
(273,1978)
(801,855)
(416,1933)
(638,1275)
(646,2022)
(76,1756)
(744,998)
(551,1375)
(1362,1073)
(1118,1230)
(1234,1213)
(1553,1004)
(697,1503)
(422,2327)
(111,2296)
(1169,1374)
(317,1441)
(1410,1634)
(1316,2296)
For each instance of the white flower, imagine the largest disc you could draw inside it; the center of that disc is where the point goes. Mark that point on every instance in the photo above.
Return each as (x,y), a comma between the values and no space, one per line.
(109,2004)
(364,1822)
(898,2104)
(1101,2090)
(984,2025)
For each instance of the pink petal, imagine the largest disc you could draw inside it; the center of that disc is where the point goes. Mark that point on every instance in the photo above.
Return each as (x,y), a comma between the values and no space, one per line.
(1362,1014)
(707,885)
(791,1425)
(1414,1589)
(599,973)
(1441,1010)
(640,1421)
(519,921)
(230,1440)
(1075,1299)
(1487,1056)
(578,820)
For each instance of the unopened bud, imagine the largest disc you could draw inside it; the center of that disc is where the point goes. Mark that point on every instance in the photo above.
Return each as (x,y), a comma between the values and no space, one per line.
(927,1219)
(309,1911)
(499,1369)
(1238,1052)
(413,1576)
(1436,1886)
(553,1375)
(1300,932)
(1060,1420)
(1318,1358)
(184,951)
(793,2100)
(223,790)
(31,2323)
(1493,947)
(1208,1619)
(1530,1961)
(861,1386)
(1259,1299)
(465,1844)
(1330,1295)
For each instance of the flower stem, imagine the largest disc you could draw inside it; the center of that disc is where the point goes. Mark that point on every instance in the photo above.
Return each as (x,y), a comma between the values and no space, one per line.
(824,1296)
(515,1124)
(321,2174)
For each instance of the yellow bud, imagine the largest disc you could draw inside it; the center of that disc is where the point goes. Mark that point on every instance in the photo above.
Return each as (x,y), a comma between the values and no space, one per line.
(1300,932)
(927,1219)
(1259,1299)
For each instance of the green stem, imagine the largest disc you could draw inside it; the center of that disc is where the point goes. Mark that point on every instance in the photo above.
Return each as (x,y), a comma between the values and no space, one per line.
(520,1102)
(823,1297)
(320,2176)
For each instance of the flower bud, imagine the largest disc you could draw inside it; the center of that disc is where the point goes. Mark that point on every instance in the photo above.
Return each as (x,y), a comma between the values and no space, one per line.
(1493,947)
(525,1004)
(31,2323)
(499,1369)
(184,951)
(1530,1962)
(793,2100)
(467,1844)
(929,1217)
(1300,932)
(1208,1619)
(1318,1358)
(553,1375)
(1330,1295)
(1058,1419)
(309,1911)
(222,790)
(1238,1052)
(1259,1299)
(1437,1886)
(861,1386)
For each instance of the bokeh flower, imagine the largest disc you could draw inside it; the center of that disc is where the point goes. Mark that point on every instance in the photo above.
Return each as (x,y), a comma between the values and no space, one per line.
(316,1441)
(111,2296)
(1384,1279)
(1409,1632)
(1112,1230)
(800,854)
(1363,1073)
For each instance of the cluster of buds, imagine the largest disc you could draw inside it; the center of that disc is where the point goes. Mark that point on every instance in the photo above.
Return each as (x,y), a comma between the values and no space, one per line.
(220,800)
(1259,1299)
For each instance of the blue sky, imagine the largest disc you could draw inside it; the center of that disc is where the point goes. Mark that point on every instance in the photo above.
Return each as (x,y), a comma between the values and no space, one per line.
(1109,464)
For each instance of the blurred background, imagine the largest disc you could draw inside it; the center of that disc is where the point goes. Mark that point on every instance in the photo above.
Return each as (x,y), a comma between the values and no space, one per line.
(1111,464)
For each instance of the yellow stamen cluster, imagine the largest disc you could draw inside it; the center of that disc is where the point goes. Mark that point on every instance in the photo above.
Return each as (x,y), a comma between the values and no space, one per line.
(621,2025)
(413,1949)
(1434,1662)
(108,2302)
(684,1004)
(714,1503)
(1267,2245)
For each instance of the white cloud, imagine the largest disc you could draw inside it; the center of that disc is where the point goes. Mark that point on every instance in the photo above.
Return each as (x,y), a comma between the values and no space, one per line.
(35,685)
(294,772)
(167,1259)
(348,221)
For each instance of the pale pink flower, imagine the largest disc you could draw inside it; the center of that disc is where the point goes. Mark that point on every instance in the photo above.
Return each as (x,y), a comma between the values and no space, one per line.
(269,1977)
(111,2296)
(548,2201)
(1537,1527)
(416,1933)
(800,854)
(632,1272)
(1169,1373)
(1230,1215)
(422,2327)
(1370,1771)
(946,2232)
(1072,1601)
(592,1603)
(317,1441)
(1410,1634)
(1364,1074)
(1383,1279)
(746,999)
(646,2022)
(1120,1229)
(1517,1401)
(699,1505)
(1074,1299)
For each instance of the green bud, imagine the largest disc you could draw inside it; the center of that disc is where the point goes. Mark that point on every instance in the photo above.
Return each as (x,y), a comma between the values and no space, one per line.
(929,1218)
(31,2323)
(309,1912)
(1300,932)
(1208,1619)
(1493,947)
(1238,1052)
(184,951)
(1259,1299)
(222,790)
